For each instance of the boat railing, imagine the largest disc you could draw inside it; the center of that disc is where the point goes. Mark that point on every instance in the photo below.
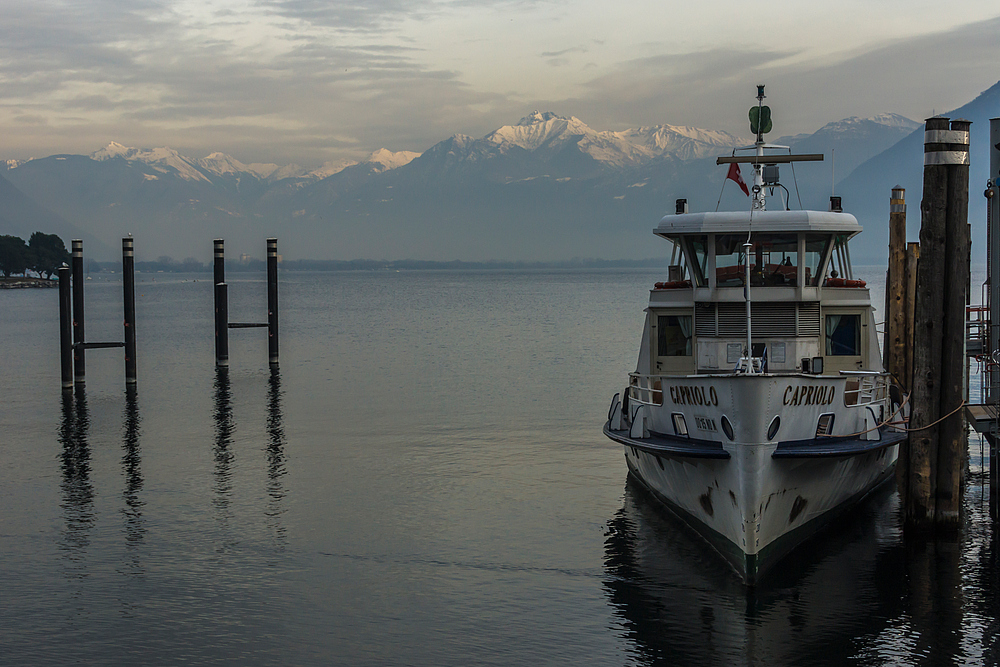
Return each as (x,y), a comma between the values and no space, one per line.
(645,389)
(865,388)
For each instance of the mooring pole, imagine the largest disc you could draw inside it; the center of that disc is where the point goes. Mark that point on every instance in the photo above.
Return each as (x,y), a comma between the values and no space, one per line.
(993,271)
(221,324)
(912,259)
(79,358)
(128,297)
(65,328)
(895,318)
(952,445)
(921,489)
(272,301)
(221,306)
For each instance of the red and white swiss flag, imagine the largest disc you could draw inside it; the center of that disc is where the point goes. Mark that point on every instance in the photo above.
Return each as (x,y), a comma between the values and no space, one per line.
(734,174)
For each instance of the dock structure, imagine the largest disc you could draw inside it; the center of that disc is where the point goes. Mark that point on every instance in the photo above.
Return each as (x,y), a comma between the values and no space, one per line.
(72,338)
(222,323)
(984,327)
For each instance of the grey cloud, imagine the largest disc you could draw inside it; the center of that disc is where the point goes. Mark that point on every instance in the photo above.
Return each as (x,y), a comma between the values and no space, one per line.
(556,54)
(373,15)
(710,89)
(348,15)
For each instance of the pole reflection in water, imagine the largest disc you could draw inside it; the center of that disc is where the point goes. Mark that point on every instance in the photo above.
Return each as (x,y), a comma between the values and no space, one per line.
(275,456)
(135,525)
(224,427)
(77,490)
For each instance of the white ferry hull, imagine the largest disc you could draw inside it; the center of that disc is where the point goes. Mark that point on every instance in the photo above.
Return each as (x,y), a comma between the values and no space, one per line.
(753,498)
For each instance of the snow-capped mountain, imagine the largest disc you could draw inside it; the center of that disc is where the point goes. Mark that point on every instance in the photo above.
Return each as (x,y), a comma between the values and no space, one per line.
(164,160)
(545,186)
(552,133)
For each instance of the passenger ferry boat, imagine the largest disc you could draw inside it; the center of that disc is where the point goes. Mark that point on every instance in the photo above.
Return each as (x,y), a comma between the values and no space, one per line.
(759,408)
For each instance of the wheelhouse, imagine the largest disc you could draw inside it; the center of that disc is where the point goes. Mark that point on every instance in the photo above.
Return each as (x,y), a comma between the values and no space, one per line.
(808,313)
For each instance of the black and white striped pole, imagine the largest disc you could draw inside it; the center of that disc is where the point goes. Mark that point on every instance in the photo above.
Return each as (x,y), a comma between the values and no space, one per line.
(221,306)
(128,298)
(272,301)
(79,354)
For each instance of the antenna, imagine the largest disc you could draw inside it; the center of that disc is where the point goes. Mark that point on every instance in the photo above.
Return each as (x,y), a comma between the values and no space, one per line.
(833,171)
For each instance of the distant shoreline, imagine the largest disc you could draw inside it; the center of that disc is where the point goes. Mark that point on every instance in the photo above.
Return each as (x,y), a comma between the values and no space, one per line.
(382,265)
(20,282)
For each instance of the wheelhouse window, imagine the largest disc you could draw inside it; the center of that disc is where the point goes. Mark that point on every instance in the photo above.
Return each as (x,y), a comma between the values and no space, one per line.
(673,335)
(729,260)
(697,249)
(843,335)
(816,247)
(774,260)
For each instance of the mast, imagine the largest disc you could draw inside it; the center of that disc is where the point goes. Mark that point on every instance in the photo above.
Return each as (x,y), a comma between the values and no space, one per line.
(761,124)
(758,204)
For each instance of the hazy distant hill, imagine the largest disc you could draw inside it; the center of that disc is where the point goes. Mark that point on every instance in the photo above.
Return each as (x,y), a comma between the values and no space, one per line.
(867,188)
(22,216)
(546,187)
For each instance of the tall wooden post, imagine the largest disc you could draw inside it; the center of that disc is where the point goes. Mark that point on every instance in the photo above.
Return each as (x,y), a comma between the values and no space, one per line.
(992,371)
(919,508)
(895,289)
(79,356)
(65,328)
(952,447)
(912,259)
(937,445)
(272,301)
(128,297)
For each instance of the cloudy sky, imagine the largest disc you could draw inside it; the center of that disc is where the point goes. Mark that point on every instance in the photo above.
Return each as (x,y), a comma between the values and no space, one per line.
(310,81)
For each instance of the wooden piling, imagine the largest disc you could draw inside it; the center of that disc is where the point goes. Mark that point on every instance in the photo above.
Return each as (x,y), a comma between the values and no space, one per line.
(65,328)
(993,257)
(895,288)
(128,298)
(221,324)
(912,259)
(272,301)
(952,436)
(933,486)
(79,354)
(919,510)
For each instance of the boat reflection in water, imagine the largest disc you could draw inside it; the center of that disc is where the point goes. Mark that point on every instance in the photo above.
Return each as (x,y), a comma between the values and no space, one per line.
(854,594)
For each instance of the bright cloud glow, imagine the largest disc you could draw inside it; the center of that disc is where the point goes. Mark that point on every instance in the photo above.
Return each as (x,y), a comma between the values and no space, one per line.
(311,81)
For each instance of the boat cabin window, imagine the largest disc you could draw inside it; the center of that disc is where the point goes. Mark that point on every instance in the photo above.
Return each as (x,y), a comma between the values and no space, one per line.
(697,249)
(774,260)
(843,335)
(816,247)
(673,335)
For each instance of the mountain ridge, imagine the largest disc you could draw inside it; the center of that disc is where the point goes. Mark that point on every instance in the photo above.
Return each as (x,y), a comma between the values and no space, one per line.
(545,187)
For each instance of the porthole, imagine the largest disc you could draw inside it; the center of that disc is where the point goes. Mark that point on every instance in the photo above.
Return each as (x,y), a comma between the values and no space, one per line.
(727,427)
(772,430)
(825,424)
(680,425)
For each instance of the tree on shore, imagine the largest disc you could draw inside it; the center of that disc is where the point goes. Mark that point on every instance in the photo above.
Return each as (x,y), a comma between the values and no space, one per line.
(47,254)
(14,255)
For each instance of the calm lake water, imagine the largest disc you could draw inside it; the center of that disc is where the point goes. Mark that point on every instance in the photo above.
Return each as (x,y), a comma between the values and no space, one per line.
(422,481)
